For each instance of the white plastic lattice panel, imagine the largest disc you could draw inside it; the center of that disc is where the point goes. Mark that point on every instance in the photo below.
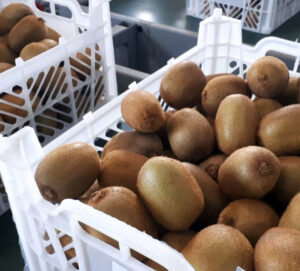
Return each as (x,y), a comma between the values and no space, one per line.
(21,153)
(261,16)
(53,91)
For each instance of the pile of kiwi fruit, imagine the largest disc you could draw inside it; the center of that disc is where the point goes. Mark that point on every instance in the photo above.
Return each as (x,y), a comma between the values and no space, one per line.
(217,177)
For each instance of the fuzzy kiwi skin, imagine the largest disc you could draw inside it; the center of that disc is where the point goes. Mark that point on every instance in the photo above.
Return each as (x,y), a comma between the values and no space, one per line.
(33,49)
(268,77)
(52,34)
(67,172)
(214,198)
(162,133)
(145,144)
(6,54)
(27,30)
(190,135)
(87,194)
(251,217)
(170,192)
(279,131)
(212,76)
(288,184)
(212,165)
(11,15)
(219,248)
(125,205)
(265,106)
(178,240)
(278,249)
(220,87)
(249,172)
(5,66)
(49,43)
(142,111)
(291,216)
(121,168)
(182,85)
(236,123)
(290,94)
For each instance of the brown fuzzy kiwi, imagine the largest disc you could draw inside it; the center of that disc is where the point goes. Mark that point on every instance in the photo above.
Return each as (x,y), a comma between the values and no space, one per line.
(190,135)
(212,165)
(27,30)
(144,144)
(236,123)
(290,94)
(214,198)
(33,49)
(288,184)
(4,39)
(220,87)
(5,66)
(67,172)
(279,131)
(265,106)
(219,248)
(142,111)
(268,77)
(182,85)
(170,192)
(11,15)
(251,217)
(249,172)
(212,76)
(291,216)
(49,43)
(121,168)
(123,204)
(178,240)
(52,34)
(278,249)
(6,54)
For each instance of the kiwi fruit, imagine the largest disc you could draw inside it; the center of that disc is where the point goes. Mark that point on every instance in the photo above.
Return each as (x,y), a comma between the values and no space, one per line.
(212,165)
(220,87)
(214,198)
(279,131)
(4,39)
(268,77)
(123,204)
(290,94)
(288,184)
(211,121)
(52,34)
(6,54)
(142,111)
(278,249)
(236,123)
(11,15)
(251,217)
(182,85)
(219,248)
(190,135)
(170,192)
(33,49)
(93,188)
(27,30)
(178,240)
(5,66)
(249,172)
(145,144)
(154,265)
(291,216)
(265,106)
(121,168)
(67,172)
(212,76)
(162,133)
(49,43)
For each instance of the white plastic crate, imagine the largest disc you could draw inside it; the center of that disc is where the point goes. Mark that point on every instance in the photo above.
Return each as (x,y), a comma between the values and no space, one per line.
(219,50)
(53,108)
(261,16)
